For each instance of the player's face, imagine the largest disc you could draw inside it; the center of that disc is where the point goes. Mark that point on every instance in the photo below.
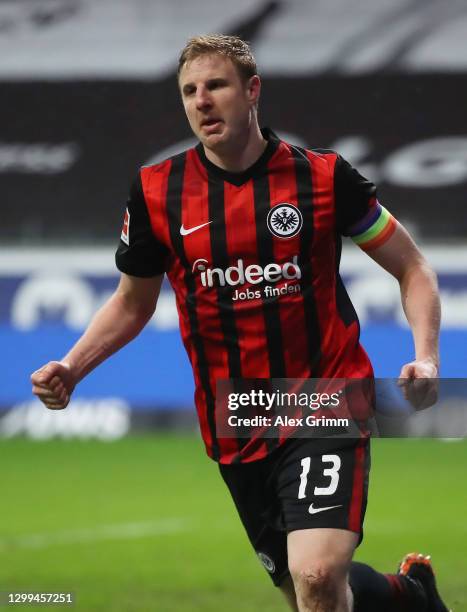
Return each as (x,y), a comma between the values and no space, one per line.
(218,103)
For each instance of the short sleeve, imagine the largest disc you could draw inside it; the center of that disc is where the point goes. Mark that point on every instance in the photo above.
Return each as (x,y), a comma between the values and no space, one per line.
(139,252)
(355,196)
(358,212)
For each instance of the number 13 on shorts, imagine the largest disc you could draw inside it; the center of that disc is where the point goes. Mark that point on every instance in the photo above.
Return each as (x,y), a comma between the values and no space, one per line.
(332,472)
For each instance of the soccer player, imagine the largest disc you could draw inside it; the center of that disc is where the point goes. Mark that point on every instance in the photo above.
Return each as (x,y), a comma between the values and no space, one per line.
(248,229)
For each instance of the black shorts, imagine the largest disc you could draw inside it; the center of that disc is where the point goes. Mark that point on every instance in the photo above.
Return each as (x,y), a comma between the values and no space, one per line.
(304,484)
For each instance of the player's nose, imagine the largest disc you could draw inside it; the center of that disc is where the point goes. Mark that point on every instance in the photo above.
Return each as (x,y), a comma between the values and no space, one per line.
(203,99)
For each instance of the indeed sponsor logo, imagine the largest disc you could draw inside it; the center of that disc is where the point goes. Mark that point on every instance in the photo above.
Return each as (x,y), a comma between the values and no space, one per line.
(253,274)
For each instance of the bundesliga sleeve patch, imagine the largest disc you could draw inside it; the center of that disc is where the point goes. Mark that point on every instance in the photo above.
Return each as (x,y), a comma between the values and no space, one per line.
(125,236)
(374,229)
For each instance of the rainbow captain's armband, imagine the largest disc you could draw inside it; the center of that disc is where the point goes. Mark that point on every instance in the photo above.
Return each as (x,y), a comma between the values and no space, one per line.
(374,229)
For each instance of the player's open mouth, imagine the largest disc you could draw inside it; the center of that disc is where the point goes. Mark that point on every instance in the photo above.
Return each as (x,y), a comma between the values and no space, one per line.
(210,124)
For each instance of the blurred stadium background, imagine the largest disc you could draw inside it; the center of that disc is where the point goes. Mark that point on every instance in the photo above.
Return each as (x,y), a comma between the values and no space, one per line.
(88,94)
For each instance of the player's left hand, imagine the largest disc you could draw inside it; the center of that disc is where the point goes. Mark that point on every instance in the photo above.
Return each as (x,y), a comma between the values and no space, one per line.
(419,383)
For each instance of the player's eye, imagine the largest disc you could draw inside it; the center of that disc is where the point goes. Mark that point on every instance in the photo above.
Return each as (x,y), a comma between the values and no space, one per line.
(216,84)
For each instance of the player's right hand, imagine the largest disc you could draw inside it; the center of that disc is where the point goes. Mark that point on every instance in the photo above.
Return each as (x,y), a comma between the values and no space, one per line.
(53,384)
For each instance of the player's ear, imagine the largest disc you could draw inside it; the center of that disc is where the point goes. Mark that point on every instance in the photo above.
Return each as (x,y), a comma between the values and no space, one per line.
(254,89)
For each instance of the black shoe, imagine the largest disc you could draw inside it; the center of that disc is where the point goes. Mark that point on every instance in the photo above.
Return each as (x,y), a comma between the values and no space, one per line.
(418,568)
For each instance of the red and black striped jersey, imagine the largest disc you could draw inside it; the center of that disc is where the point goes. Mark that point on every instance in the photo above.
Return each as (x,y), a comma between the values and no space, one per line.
(253,258)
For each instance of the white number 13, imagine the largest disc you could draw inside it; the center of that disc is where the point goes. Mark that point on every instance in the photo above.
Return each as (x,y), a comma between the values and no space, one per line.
(332,472)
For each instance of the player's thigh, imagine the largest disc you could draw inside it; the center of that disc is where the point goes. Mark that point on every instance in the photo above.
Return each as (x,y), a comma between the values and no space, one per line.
(323,484)
(325,551)
(259,511)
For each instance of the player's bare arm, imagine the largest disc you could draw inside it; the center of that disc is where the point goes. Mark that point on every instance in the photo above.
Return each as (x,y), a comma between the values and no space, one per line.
(420,300)
(119,320)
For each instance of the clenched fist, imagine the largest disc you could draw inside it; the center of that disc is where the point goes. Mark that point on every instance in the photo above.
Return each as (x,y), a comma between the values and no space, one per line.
(419,383)
(53,384)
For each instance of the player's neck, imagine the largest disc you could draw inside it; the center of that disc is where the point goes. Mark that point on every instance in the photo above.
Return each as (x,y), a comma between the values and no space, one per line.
(241,156)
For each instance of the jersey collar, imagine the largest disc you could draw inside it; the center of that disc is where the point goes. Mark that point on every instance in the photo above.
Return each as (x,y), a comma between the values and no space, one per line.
(239,178)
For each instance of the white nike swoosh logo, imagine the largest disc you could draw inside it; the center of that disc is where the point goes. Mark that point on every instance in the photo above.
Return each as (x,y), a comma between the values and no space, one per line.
(312,510)
(185,232)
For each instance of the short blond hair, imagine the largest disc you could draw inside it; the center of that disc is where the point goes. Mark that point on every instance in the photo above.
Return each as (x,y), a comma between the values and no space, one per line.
(236,49)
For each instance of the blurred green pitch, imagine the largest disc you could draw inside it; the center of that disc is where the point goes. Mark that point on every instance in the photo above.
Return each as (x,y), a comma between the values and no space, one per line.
(146,523)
